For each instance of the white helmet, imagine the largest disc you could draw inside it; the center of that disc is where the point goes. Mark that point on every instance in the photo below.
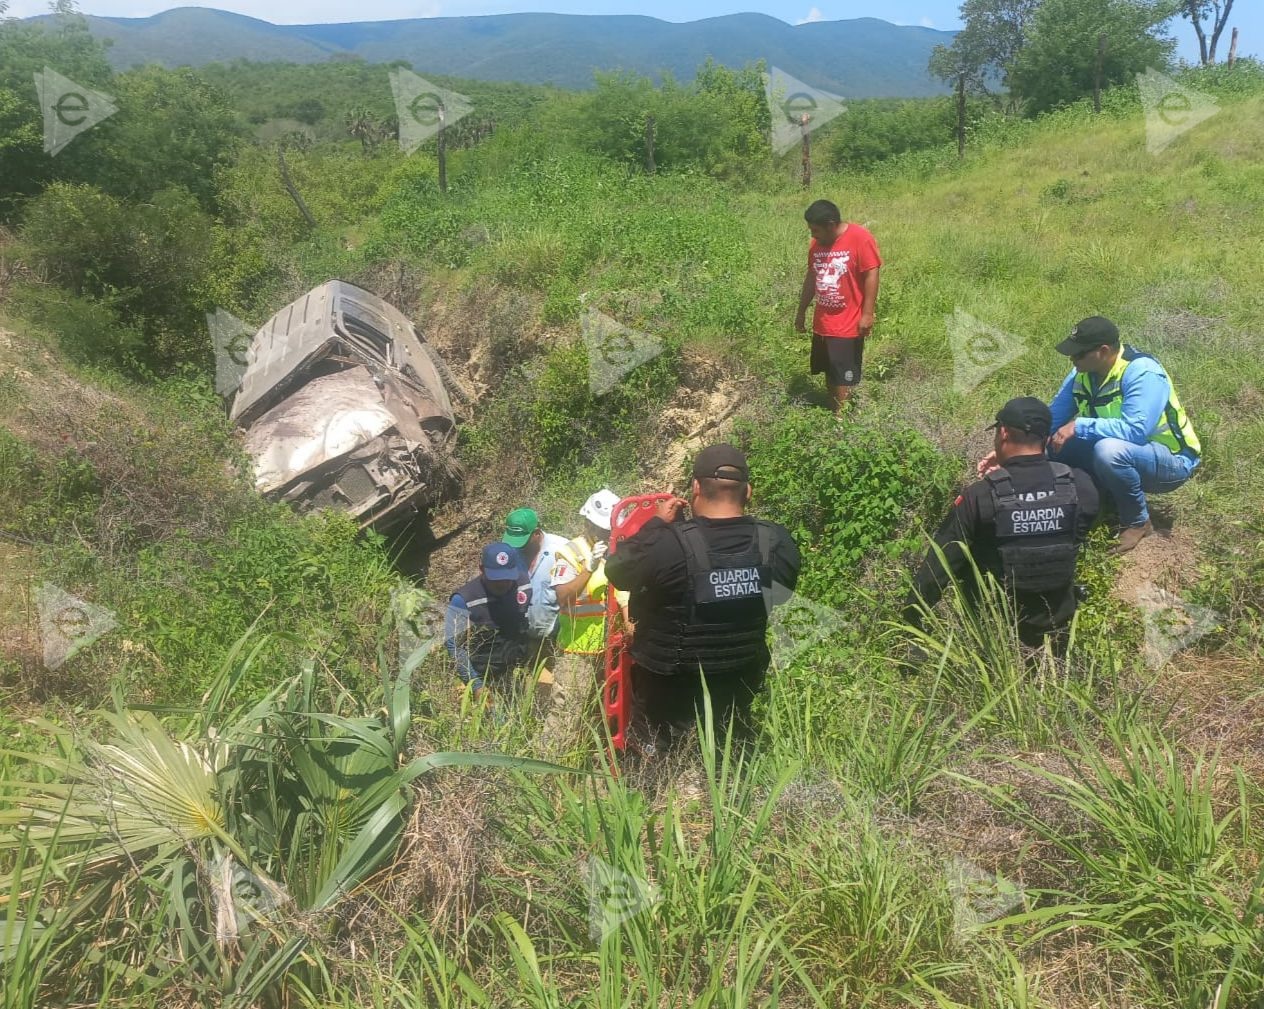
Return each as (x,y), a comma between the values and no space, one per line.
(597,508)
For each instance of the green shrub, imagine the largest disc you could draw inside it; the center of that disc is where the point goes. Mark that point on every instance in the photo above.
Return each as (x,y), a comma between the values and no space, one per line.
(143,262)
(849,494)
(313,578)
(88,330)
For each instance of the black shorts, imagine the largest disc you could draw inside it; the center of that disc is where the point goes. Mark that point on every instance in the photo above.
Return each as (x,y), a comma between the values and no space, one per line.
(839,358)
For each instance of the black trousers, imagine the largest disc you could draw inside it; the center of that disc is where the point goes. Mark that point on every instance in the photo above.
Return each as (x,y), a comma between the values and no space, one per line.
(666,708)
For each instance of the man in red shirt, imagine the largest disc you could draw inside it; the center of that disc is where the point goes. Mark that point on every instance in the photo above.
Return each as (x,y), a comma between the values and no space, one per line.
(842,277)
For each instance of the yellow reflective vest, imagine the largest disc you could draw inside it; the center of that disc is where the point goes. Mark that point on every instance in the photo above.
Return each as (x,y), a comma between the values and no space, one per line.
(581,625)
(1106,401)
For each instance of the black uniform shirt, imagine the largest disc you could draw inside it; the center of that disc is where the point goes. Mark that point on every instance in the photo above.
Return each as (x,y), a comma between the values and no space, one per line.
(651,565)
(972,522)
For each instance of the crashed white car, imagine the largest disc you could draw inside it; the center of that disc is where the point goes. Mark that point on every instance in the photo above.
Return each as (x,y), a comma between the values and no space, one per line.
(342,406)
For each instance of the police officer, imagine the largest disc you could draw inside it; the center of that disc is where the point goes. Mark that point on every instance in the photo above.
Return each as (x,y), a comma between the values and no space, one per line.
(485,628)
(699,592)
(1023,523)
(1117,416)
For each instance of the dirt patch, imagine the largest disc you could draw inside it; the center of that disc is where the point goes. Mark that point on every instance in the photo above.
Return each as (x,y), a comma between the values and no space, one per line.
(709,398)
(42,381)
(1166,560)
(1215,704)
(701,412)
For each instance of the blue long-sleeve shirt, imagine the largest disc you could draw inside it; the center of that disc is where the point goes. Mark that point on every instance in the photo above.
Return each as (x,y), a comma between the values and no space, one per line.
(456,626)
(1146,390)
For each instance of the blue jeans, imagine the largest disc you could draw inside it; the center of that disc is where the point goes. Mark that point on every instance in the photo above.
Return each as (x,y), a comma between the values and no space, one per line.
(1128,472)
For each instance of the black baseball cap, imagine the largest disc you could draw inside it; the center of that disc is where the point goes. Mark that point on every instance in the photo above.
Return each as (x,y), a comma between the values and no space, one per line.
(1025,414)
(1089,334)
(721,462)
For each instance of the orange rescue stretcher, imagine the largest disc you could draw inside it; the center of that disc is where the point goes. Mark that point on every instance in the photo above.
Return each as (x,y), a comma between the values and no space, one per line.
(628,516)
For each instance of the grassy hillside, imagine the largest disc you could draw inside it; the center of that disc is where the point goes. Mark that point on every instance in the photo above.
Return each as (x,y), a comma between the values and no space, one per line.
(976,832)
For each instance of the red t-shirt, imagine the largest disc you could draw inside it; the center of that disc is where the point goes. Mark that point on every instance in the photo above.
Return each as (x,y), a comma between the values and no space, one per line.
(838,267)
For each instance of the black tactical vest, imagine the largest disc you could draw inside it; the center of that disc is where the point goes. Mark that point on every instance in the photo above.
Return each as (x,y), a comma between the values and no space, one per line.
(497,639)
(722,623)
(1035,538)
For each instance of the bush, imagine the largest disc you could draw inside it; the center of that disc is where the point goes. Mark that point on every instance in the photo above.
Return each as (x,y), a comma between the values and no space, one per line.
(89,331)
(873,131)
(718,123)
(145,263)
(849,495)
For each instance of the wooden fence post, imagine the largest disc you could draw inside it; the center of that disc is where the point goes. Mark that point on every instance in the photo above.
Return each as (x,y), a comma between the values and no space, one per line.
(804,119)
(443,151)
(1097,73)
(961,116)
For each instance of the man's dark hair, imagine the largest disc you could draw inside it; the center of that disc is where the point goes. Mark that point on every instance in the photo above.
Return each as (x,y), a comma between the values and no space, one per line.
(729,491)
(822,212)
(1025,438)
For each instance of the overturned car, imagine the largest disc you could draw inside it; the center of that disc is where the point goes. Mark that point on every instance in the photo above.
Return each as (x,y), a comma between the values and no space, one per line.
(342,405)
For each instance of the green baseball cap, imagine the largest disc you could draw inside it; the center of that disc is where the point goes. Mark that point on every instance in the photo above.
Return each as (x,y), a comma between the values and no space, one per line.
(522,522)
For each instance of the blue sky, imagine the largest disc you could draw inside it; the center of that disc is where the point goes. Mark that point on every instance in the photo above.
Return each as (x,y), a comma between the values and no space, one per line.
(1248,14)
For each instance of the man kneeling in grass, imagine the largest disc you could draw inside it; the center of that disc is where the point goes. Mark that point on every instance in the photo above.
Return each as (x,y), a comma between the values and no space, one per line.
(1022,523)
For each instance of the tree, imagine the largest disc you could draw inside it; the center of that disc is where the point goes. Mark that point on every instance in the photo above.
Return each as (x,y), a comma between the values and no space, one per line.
(1196,11)
(367,128)
(995,32)
(1058,65)
(173,129)
(25,49)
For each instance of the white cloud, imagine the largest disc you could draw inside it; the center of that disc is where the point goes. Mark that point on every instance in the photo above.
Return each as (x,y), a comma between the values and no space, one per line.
(927,23)
(813,16)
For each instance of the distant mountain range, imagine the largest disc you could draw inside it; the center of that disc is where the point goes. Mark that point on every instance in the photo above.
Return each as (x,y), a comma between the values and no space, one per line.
(860,58)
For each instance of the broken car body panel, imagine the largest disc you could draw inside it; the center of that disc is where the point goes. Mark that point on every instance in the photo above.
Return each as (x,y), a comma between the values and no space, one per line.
(342,407)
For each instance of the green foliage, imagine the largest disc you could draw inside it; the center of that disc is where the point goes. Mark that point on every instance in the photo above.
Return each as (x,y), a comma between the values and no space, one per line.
(875,130)
(143,263)
(44,498)
(313,577)
(551,418)
(322,95)
(64,44)
(1153,871)
(848,493)
(1058,64)
(172,130)
(239,821)
(984,50)
(1245,77)
(718,123)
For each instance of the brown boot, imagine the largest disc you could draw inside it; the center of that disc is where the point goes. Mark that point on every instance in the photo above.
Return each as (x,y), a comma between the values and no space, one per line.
(1130,537)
